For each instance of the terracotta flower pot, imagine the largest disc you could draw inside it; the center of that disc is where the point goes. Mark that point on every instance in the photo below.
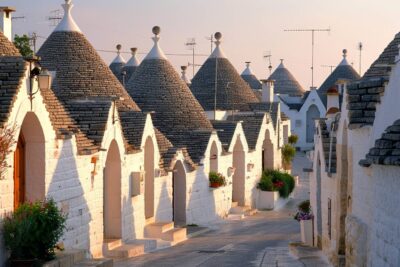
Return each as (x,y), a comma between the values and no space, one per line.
(215,185)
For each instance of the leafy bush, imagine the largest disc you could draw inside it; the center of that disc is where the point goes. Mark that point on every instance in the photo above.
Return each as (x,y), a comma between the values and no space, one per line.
(217,178)
(274,180)
(293,139)
(7,135)
(33,230)
(288,153)
(304,211)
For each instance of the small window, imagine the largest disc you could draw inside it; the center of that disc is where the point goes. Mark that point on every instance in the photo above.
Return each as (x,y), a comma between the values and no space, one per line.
(298,123)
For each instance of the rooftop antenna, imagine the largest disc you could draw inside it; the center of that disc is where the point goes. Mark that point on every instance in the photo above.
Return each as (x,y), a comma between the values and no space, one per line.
(329,66)
(313,31)
(191,45)
(218,37)
(211,39)
(55,17)
(267,55)
(360,48)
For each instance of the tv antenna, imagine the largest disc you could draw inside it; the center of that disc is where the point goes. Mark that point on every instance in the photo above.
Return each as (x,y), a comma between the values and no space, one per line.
(211,39)
(191,45)
(360,48)
(33,39)
(313,31)
(329,66)
(267,56)
(55,17)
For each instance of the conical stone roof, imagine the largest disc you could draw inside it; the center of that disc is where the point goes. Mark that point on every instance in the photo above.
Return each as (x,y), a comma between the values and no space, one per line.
(7,48)
(80,72)
(251,79)
(344,71)
(285,82)
(233,93)
(156,86)
(131,65)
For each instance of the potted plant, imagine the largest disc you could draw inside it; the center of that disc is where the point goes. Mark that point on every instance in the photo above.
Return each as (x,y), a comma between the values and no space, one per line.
(288,153)
(305,217)
(32,232)
(274,185)
(216,179)
(293,139)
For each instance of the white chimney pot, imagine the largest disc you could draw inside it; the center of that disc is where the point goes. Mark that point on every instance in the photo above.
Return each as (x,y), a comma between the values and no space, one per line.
(6,21)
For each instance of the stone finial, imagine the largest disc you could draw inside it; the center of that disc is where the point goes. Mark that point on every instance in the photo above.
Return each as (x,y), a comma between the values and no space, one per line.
(184,77)
(344,53)
(248,64)
(133,51)
(156,30)
(156,51)
(67,24)
(119,48)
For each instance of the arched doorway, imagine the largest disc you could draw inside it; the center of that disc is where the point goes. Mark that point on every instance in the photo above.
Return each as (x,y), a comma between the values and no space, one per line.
(267,152)
(29,162)
(319,204)
(239,176)
(112,194)
(343,195)
(312,115)
(179,194)
(149,178)
(214,157)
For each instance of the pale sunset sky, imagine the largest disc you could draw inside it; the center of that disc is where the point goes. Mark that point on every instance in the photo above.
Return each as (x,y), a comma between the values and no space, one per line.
(249,28)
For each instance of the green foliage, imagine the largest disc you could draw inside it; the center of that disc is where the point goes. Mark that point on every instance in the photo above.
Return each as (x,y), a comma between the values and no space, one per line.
(274,180)
(288,153)
(293,139)
(22,43)
(33,230)
(217,178)
(305,206)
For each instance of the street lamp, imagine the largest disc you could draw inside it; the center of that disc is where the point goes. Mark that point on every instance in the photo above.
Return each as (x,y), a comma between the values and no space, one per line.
(44,79)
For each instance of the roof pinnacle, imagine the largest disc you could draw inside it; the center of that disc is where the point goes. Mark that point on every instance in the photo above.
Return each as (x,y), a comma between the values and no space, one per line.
(217,53)
(156,52)
(67,24)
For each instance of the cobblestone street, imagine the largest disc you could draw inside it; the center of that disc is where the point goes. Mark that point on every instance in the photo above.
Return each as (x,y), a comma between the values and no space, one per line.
(259,240)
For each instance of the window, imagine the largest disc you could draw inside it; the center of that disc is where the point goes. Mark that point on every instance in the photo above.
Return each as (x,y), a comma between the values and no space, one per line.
(298,123)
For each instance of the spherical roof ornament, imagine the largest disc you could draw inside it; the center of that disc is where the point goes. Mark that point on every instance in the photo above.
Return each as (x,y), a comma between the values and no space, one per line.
(156,30)
(119,48)
(133,51)
(183,68)
(344,53)
(218,36)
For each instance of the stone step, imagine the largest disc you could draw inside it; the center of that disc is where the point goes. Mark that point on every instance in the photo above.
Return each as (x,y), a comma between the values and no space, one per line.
(95,263)
(251,212)
(155,230)
(234,204)
(126,251)
(110,244)
(235,216)
(175,235)
(239,209)
(67,258)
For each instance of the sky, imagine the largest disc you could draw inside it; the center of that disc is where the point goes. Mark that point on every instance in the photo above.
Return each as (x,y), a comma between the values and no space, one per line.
(250,29)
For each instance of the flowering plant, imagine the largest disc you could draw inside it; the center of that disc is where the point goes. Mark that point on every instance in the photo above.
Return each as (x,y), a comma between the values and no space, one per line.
(304,211)
(216,178)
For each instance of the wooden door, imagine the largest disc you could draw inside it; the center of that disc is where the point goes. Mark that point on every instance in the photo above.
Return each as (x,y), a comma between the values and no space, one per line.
(19,173)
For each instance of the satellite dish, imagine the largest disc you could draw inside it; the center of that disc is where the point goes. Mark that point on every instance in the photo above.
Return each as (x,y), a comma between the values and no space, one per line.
(156,30)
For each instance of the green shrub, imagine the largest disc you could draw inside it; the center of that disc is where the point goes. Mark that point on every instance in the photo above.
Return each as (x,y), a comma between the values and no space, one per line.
(293,139)
(288,153)
(33,230)
(305,206)
(275,180)
(218,178)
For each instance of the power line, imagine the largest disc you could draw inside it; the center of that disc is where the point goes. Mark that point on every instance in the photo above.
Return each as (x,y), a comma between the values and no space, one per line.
(143,53)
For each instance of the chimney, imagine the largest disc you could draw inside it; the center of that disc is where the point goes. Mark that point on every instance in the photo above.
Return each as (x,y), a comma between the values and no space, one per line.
(332,105)
(5,21)
(267,91)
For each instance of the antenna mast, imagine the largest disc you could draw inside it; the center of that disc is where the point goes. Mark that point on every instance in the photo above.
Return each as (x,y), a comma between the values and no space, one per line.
(211,39)
(191,45)
(267,56)
(329,66)
(313,31)
(54,18)
(360,47)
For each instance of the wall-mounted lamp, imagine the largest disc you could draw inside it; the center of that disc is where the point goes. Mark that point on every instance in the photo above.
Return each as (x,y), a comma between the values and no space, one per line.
(250,167)
(43,77)
(214,156)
